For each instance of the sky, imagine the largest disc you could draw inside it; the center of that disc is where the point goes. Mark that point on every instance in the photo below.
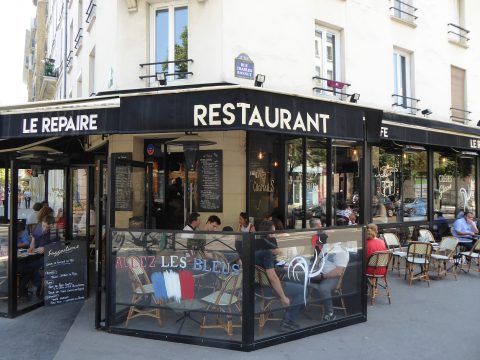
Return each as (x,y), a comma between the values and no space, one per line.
(15,17)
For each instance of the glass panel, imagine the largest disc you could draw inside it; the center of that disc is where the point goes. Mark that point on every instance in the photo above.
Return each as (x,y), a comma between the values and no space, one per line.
(444,184)
(161,39)
(295,206)
(386,183)
(4,233)
(346,183)
(80,203)
(415,186)
(56,199)
(316,180)
(333,288)
(466,184)
(181,40)
(182,284)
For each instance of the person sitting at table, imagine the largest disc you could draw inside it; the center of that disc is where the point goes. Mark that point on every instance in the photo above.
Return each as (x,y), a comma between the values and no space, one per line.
(290,294)
(374,244)
(335,258)
(33,217)
(465,230)
(213,222)
(23,241)
(244,224)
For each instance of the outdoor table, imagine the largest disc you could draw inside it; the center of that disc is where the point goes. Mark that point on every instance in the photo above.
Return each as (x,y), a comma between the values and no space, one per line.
(186,307)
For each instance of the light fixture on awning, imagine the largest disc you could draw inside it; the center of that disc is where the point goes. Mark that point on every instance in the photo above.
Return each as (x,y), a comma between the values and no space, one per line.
(38,153)
(190,143)
(412,148)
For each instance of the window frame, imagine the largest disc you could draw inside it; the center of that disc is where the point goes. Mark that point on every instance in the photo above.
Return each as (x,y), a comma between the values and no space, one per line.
(398,78)
(170,7)
(336,53)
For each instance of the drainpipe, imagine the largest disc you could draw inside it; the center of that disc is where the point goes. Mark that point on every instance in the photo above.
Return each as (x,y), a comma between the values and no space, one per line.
(65,53)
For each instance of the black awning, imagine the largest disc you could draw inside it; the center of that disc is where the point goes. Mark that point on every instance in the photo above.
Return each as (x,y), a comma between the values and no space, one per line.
(415,130)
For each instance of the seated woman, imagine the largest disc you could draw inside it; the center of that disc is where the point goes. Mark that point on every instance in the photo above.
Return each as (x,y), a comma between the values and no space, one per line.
(244,223)
(23,241)
(42,213)
(373,245)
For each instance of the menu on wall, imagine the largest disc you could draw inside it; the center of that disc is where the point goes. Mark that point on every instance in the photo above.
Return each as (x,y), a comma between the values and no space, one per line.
(65,272)
(210,181)
(123,184)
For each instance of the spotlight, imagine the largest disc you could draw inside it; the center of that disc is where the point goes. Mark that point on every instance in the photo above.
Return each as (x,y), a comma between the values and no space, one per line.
(260,155)
(354,97)
(276,163)
(161,78)
(426,112)
(259,80)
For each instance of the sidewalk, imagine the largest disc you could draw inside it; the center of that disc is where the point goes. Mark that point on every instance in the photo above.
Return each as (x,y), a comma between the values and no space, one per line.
(440,322)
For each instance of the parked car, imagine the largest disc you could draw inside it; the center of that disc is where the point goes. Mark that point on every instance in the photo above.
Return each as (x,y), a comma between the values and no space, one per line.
(417,207)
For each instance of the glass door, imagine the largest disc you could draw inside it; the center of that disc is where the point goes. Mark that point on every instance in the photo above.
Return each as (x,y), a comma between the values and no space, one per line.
(100,231)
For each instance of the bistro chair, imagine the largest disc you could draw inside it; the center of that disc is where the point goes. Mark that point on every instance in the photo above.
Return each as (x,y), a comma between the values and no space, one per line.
(425,235)
(444,254)
(267,298)
(418,253)
(143,292)
(474,253)
(393,244)
(224,302)
(336,292)
(378,260)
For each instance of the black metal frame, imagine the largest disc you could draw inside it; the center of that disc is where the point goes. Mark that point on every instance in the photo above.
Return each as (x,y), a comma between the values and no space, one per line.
(78,38)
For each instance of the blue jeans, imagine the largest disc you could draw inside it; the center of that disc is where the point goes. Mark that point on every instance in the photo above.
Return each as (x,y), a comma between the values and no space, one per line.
(294,291)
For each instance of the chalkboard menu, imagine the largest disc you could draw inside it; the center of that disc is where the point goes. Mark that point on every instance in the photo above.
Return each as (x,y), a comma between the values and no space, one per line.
(210,181)
(123,183)
(65,272)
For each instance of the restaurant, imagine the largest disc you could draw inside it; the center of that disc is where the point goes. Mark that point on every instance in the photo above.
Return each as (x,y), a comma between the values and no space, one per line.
(122,173)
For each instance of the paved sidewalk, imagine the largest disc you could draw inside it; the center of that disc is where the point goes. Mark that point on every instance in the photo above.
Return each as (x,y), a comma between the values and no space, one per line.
(440,322)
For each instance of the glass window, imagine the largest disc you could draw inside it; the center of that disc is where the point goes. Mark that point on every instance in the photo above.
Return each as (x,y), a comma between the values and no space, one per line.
(415,186)
(171,39)
(346,182)
(402,92)
(327,61)
(316,179)
(294,150)
(466,184)
(403,9)
(444,195)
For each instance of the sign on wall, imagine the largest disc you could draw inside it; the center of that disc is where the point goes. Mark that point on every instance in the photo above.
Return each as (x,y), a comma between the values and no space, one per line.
(244,67)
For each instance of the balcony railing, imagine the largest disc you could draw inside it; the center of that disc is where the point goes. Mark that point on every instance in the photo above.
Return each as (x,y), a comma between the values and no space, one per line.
(91,11)
(69,59)
(458,34)
(78,39)
(460,115)
(181,69)
(335,88)
(408,103)
(403,11)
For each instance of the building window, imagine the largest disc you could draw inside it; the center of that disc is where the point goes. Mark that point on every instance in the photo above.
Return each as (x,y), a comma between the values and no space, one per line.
(403,10)
(327,64)
(402,82)
(91,73)
(458,110)
(457,33)
(170,39)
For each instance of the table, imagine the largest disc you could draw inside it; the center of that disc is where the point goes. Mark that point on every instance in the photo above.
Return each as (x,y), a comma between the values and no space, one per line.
(186,307)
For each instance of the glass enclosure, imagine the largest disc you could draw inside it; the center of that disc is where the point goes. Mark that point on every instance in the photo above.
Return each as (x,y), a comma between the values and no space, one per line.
(4,236)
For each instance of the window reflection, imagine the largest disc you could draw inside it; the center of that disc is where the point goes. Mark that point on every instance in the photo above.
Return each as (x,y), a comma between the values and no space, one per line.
(294,150)
(415,186)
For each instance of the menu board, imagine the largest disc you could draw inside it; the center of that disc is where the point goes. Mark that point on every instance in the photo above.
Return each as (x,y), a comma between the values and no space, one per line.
(123,184)
(210,181)
(65,272)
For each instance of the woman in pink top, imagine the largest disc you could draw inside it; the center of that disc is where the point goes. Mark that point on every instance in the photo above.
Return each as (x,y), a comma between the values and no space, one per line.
(374,244)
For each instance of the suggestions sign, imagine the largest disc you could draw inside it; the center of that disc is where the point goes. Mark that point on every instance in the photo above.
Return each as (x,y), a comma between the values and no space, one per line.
(65,273)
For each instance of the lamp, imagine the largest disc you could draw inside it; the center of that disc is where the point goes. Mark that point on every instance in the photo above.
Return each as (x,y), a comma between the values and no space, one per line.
(426,112)
(354,97)
(259,80)
(161,78)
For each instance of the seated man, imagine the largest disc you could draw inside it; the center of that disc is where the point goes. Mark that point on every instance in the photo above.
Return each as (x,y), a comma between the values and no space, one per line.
(290,294)
(336,260)
(465,230)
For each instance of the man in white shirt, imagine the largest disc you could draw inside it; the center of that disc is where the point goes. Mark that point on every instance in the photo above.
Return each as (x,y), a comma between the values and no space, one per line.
(193,223)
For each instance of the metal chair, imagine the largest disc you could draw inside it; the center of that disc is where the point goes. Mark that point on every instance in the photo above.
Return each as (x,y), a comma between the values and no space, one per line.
(393,244)
(378,261)
(474,253)
(444,254)
(418,253)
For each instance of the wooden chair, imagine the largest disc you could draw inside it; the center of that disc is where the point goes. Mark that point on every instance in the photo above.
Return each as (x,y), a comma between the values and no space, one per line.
(418,253)
(444,254)
(224,301)
(267,297)
(393,244)
(378,260)
(336,292)
(142,292)
(474,253)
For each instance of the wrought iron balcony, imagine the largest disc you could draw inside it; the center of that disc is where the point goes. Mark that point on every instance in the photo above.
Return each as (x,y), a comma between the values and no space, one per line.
(181,69)
(458,34)
(408,103)
(91,12)
(69,59)
(460,115)
(331,87)
(78,39)
(403,11)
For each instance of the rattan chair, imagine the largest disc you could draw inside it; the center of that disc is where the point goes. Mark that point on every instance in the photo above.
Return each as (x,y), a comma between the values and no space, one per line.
(426,235)
(337,292)
(378,260)
(474,253)
(443,255)
(418,253)
(267,297)
(142,292)
(393,244)
(224,301)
